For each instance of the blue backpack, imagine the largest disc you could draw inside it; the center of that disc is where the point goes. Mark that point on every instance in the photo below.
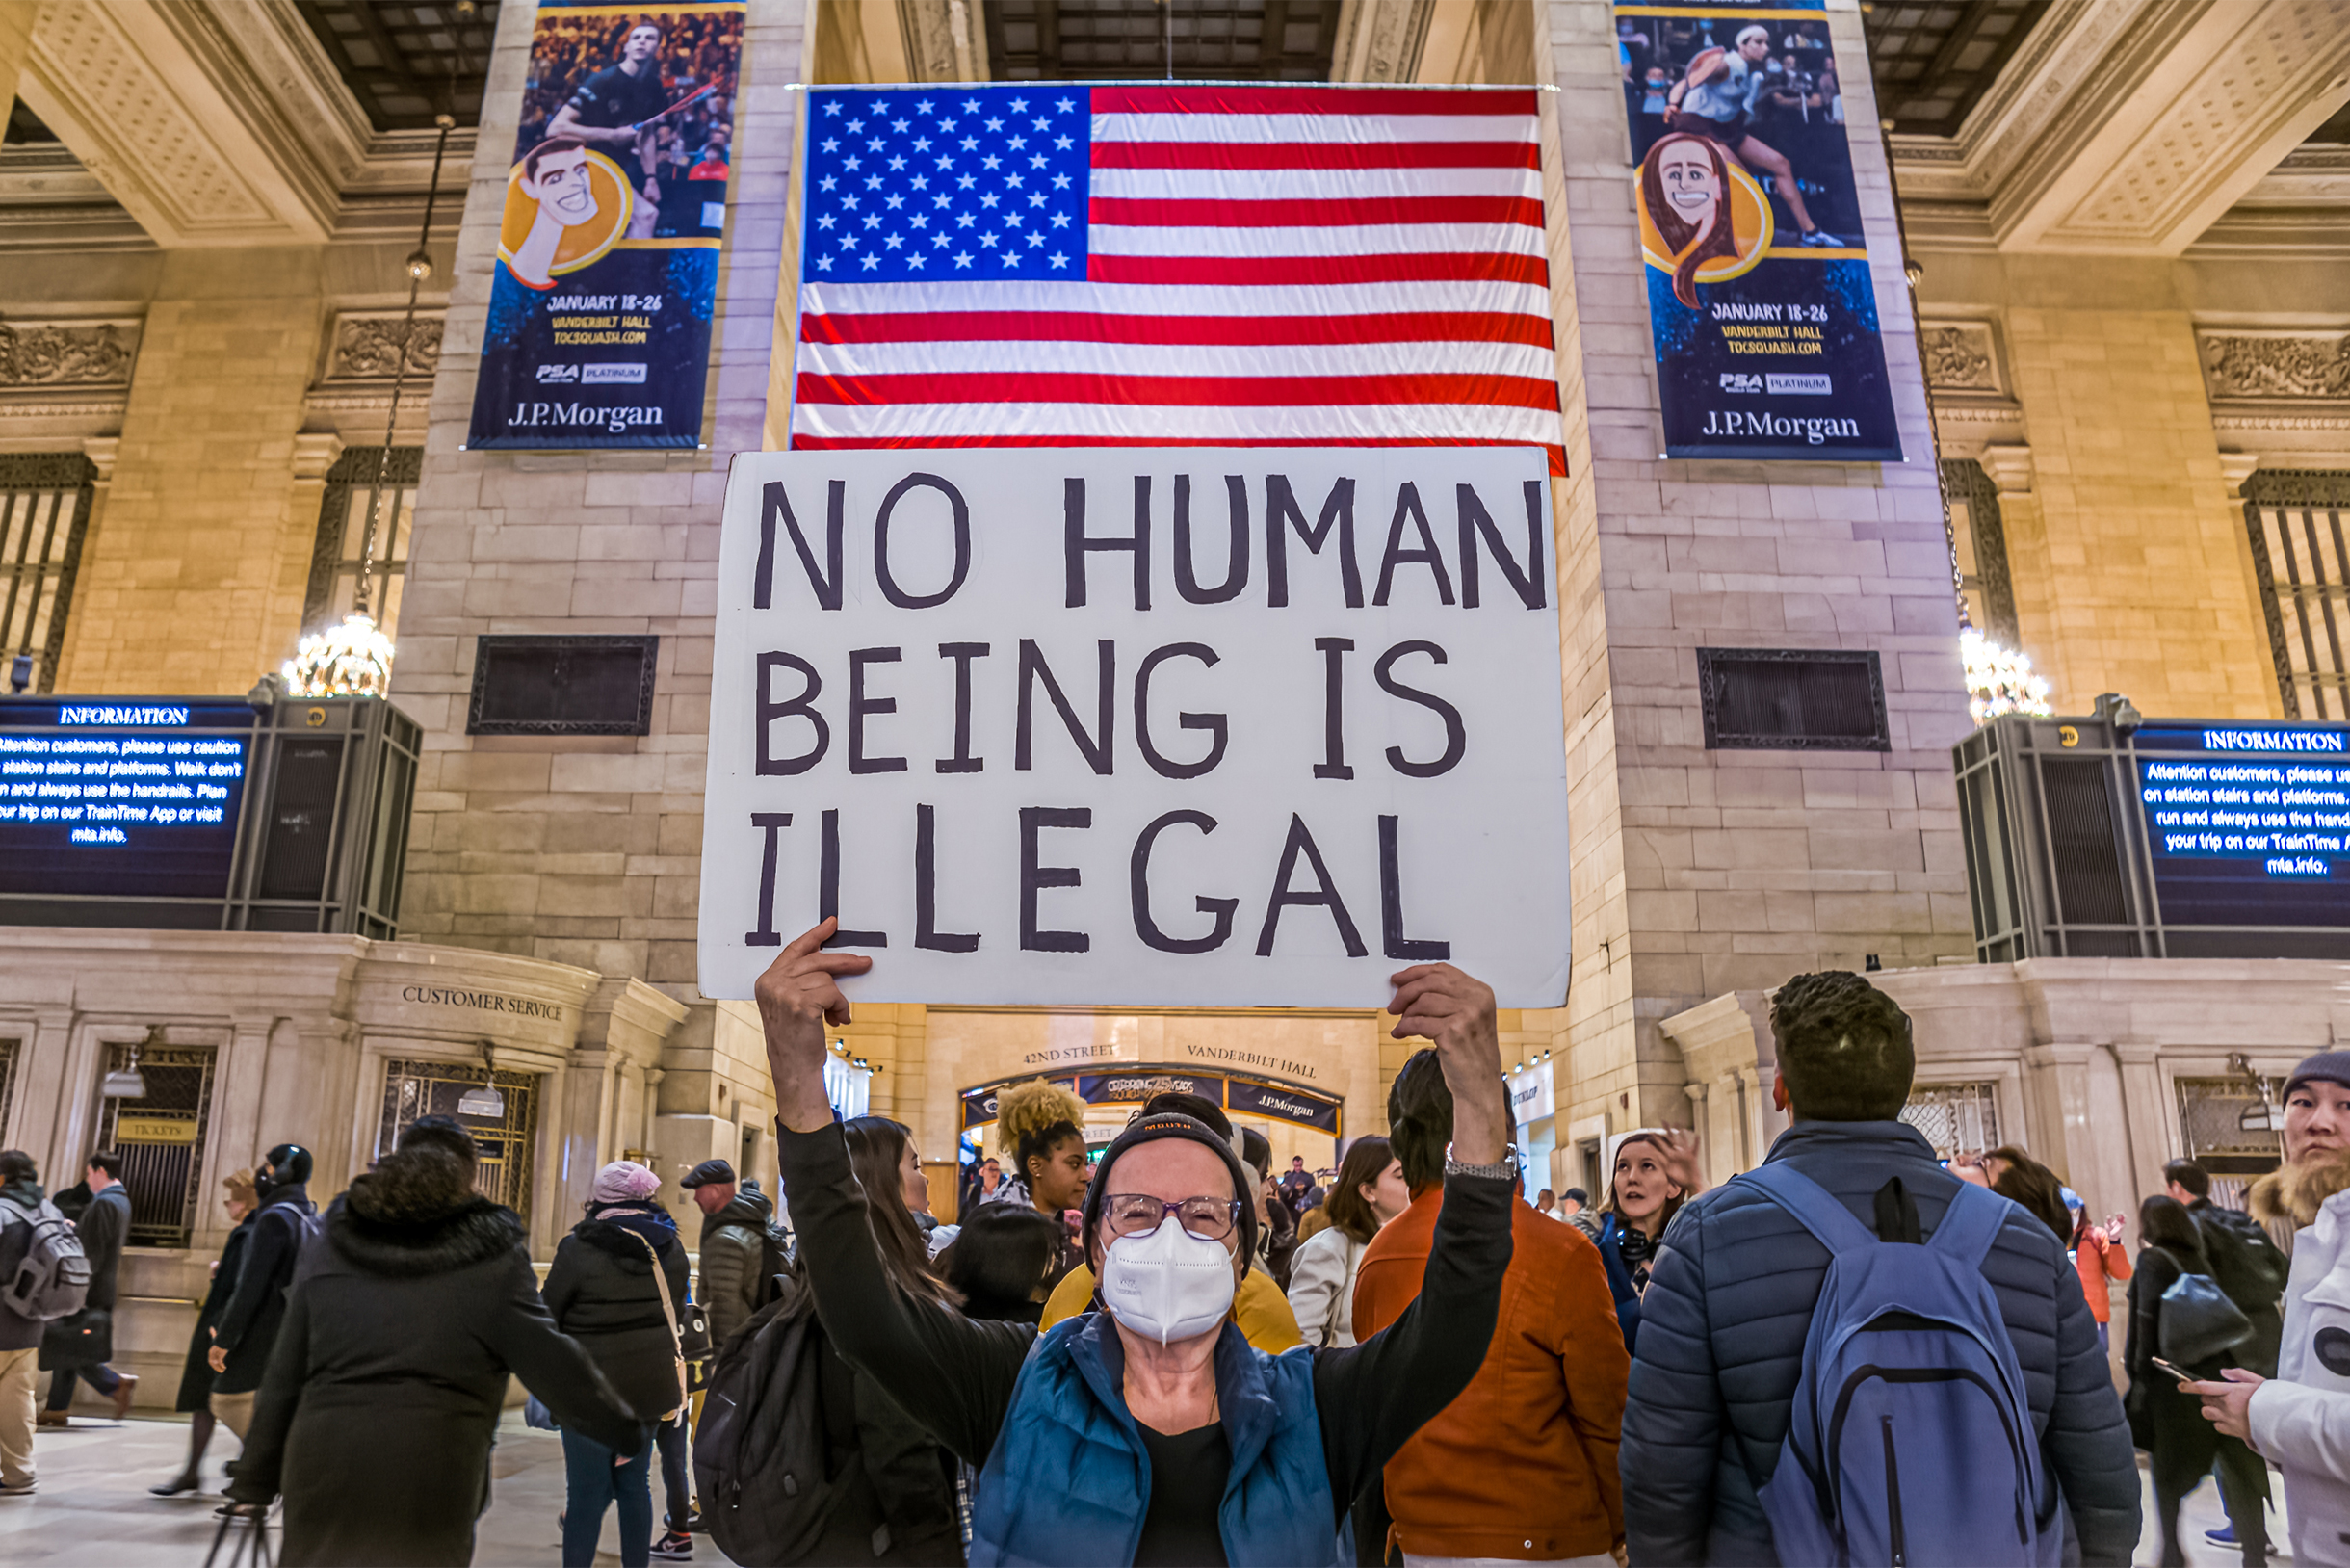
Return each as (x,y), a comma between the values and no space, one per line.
(1910,1442)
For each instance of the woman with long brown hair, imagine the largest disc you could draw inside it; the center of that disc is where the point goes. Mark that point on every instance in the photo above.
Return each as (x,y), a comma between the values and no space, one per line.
(1684,189)
(1656,1173)
(1369,1193)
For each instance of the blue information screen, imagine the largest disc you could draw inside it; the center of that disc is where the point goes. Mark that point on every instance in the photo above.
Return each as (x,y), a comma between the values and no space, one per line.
(130,797)
(2248,824)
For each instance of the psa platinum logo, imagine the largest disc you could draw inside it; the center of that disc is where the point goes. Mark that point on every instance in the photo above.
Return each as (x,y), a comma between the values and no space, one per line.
(550,374)
(1733,380)
(1804,385)
(606,375)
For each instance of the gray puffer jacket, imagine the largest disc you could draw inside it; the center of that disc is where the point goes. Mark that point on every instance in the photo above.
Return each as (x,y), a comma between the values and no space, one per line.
(1722,1328)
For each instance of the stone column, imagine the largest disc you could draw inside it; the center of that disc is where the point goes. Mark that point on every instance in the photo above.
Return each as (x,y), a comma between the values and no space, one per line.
(2153,1120)
(1700,872)
(314,453)
(583,850)
(178,593)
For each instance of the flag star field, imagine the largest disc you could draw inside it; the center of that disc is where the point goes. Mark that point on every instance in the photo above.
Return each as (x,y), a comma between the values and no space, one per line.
(1052,264)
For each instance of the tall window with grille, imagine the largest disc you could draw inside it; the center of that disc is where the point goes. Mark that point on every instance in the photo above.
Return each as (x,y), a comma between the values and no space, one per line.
(1979,536)
(44,511)
(504,1120)
(160,1135)
(2303,565)
(1958,1119)
(363,479)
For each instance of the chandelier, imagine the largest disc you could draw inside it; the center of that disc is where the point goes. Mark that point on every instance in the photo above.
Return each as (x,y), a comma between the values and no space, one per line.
(1999,680)
(352,659)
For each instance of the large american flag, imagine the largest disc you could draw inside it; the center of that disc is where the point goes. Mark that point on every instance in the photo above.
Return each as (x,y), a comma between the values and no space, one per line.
(1046,264)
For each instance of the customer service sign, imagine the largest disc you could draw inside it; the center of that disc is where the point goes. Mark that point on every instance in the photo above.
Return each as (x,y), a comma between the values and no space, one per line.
(1760,300)
(600,307)
(1187,727)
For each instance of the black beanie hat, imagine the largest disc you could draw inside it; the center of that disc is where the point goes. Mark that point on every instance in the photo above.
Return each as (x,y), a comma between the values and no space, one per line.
(2333,1066)
(288,1163)
(1170,1124)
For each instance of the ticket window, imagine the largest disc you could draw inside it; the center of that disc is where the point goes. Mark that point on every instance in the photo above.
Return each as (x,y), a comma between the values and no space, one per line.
(158,1123)
(499,1108)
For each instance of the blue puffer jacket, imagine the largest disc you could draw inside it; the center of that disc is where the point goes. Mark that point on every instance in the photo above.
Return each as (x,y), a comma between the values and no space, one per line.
(1061,1481)
(1722,1329)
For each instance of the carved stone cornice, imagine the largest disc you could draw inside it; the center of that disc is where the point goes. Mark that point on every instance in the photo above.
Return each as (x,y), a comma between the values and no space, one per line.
(1960,356)
(1380,41)
(365,346)
(2235,467)
(212,124)
(2274,364)
(945,39)
(67,354)
(2009,465)
(2129,126)
(314,452)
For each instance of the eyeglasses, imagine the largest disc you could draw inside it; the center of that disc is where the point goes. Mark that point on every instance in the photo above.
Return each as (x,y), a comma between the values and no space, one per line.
(1134,1214)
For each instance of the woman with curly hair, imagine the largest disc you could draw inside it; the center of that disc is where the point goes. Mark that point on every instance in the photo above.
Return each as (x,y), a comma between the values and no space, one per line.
(1041,1127)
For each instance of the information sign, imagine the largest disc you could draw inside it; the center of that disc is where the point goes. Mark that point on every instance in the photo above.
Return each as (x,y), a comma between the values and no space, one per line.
(2248,824)
(122,796)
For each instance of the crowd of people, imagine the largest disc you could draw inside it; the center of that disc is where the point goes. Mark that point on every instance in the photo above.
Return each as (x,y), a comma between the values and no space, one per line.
(655,94)
(1858,1352)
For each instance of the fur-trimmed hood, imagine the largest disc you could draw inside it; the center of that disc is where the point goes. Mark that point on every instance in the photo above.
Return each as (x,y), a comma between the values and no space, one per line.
(417,1214)
(2296,1192)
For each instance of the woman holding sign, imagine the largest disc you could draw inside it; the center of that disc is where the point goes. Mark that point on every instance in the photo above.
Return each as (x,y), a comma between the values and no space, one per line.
(1152,1431)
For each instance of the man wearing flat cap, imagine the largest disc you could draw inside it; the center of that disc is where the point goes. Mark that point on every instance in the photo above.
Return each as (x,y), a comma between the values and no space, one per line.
(735,1245)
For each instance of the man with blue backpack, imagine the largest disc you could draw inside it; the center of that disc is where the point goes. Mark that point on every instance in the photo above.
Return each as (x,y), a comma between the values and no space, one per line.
(1851,1356)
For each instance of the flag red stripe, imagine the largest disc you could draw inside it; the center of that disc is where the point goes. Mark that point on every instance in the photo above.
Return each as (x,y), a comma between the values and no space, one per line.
(1073,327)
(1493,267)
(1178,391)
(1307,100)
(1134,212)
(844,443)
(1316,155)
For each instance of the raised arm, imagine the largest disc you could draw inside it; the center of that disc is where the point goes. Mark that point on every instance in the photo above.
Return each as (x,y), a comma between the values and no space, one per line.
(1373,1397)
(953,1376)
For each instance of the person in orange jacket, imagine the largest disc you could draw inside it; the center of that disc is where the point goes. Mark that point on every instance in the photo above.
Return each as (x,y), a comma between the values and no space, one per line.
(2099,1254)
(1523,1464)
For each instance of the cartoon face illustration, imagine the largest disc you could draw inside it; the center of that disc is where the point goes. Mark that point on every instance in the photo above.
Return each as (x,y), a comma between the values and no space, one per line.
(563,186)
(1690,187)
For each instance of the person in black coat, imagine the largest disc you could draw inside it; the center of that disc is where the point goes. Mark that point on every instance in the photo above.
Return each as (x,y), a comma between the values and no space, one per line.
(249,1320)
(80,1343)
(2167,1422)
(602,1292)
(375,1417)
(194,1399)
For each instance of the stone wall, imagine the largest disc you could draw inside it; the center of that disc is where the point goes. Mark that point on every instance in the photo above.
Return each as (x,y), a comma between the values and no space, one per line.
(582,851)
(1697,870)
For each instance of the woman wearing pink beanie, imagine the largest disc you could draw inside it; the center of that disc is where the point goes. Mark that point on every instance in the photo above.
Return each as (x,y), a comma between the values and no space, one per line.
(604,1291)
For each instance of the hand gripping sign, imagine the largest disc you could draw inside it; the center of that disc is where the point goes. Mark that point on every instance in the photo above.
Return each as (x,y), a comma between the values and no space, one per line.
(1178,727)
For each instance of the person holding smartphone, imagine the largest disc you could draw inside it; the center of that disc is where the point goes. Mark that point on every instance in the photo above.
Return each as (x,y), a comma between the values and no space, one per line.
(2165,1420)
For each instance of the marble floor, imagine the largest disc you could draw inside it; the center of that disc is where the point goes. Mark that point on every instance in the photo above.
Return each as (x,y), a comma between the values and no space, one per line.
(92,1507)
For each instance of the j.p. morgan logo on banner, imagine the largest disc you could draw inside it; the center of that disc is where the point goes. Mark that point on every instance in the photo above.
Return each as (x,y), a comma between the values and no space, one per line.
(1779,385)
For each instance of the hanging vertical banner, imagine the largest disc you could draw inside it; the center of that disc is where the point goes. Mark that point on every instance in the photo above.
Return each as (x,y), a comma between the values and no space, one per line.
(607,255)
(1758,294)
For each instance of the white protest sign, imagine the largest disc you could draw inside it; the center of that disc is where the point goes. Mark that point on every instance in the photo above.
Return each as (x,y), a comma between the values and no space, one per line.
(1202,728)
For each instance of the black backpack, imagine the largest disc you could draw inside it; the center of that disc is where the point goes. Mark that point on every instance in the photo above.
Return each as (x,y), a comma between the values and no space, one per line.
(762,1453)
(2250,1268)
(774,1264)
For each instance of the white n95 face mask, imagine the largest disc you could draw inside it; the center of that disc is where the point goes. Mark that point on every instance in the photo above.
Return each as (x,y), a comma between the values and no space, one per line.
(1168,1285)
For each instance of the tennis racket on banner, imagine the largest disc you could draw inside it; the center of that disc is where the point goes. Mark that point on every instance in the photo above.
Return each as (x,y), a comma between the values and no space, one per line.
(695,97)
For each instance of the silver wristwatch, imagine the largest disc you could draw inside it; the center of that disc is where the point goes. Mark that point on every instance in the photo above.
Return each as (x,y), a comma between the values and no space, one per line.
(1505,1169)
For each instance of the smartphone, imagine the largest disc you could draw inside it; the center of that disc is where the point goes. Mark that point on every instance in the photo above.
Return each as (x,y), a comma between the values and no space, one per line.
(2183,1378)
